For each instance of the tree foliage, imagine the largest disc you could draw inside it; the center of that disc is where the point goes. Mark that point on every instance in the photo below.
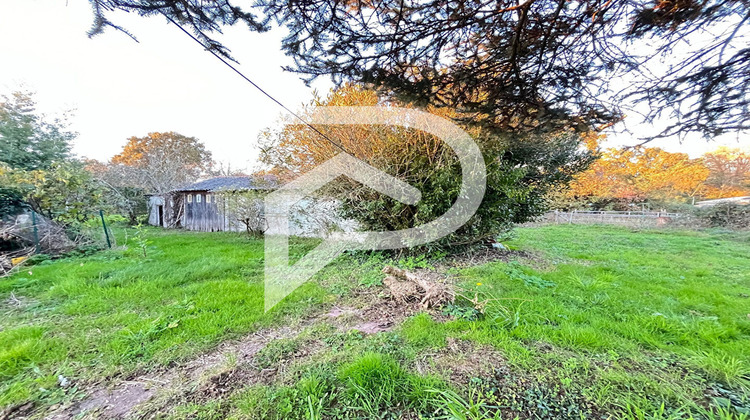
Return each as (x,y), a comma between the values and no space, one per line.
(521,169)
(627,176)
(511,65)
(729,173)
(65,192)
(27,139)
(36,169)
(11,199)
(202,17)
(161,162)
(622,177)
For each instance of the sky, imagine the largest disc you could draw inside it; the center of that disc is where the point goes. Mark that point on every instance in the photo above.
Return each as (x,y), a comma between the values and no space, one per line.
(120,88)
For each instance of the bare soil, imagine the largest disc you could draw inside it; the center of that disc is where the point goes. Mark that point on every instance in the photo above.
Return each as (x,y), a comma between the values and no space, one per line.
(461,360)
(122,398)
(487,254)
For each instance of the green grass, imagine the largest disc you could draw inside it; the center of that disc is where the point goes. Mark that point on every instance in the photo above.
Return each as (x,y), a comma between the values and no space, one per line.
(598,322)
(116,312)
(627,319)
(589,322)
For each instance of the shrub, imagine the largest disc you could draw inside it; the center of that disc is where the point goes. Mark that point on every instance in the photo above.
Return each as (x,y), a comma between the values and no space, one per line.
(64,193)
(725,215)
(246,207)
(521,170)
(11,202)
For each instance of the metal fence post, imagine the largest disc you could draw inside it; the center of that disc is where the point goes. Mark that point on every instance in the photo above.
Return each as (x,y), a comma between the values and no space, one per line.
(37,247)
(104,225)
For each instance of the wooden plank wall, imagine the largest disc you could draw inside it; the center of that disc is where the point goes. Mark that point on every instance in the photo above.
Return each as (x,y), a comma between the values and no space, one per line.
(202,216)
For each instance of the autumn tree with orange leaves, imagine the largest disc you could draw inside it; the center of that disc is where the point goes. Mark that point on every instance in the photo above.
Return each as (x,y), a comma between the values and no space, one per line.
(160,162)
(729,173)
(636,175)
(647,174)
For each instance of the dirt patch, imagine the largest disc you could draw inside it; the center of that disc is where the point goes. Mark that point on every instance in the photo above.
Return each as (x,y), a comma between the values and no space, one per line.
(224,383)
(373,327)
(124,398)
(18,411)
(242,375)
(15,302)
(384,315)
(117,402)
(337,312)
(462,360)
(486,255)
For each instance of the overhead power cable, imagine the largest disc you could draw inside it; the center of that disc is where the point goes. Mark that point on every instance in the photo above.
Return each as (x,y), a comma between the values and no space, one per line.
(255,85)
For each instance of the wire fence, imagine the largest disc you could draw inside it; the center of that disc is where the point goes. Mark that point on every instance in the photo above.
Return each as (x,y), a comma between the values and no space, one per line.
(29,233)
(622,218)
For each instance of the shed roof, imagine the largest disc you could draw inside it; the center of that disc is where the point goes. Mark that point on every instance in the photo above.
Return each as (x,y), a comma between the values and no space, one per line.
(231,183)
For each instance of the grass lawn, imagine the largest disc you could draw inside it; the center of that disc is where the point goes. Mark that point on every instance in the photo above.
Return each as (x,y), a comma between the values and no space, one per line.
(116,311)
(581,322)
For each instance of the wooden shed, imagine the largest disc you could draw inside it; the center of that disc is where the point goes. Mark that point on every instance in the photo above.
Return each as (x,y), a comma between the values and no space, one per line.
(205,206)
(201,206)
